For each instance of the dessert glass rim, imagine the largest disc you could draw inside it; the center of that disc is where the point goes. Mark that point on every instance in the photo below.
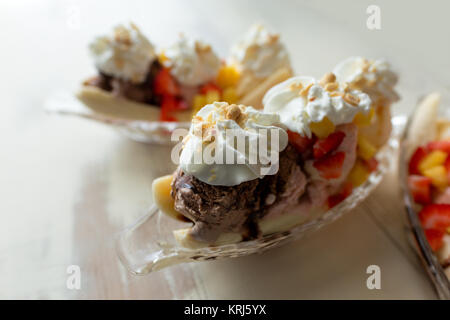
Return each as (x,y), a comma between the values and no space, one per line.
(144,246)
(417,236)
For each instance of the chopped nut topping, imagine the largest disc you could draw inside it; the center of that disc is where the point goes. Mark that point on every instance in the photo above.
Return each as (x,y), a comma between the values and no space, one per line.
(327,78)
(233,112)
(351,99)
(336,94)
(296,86)
(305,91)
(331,86)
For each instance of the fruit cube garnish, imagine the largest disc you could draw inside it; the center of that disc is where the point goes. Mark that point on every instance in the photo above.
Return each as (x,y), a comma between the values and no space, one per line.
(435,238)
(362,119)
(198,102)
(416,158)
(420,188)
(435,216)
(433,159)
(443,145)
(230,95)
(372,164)
(359,174)
(330,166)
(324,146)
(438,176)
(204,89)
(228,76)
(335,199)
(366,150)
(300,143)
(165,84)
(323,128)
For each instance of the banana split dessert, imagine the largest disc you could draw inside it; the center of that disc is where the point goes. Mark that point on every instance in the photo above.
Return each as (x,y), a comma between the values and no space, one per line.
(316,153)
(137,81)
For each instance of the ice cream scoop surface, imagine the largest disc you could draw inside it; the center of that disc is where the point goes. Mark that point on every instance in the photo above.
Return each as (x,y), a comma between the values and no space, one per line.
(125,53)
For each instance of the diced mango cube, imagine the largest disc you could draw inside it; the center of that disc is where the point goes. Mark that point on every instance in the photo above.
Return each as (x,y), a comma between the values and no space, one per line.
(362,119)
(438,176)
(230,95)
(323,128)
(198,102)
(366,150)
(434,159)
(228,76)
(359,174)
(212,96)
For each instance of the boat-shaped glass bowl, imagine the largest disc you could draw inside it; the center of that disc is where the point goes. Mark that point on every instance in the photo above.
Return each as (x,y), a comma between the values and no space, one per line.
(416,234)
(149,244)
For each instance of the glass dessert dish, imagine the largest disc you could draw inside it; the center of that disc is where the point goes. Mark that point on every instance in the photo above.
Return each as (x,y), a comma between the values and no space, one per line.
(422,170)
(332,141)
(147,93)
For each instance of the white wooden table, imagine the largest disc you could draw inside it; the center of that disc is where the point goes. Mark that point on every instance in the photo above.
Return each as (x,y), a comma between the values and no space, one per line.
(68,185)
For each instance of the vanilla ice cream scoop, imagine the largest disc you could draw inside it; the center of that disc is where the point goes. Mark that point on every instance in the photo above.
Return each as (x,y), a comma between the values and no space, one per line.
(301,101)
(192,62)
(222,127)
(374,77)
(260,52)
(125,53)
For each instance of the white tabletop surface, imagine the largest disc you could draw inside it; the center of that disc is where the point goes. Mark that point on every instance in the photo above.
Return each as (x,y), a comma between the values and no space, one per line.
(68,185)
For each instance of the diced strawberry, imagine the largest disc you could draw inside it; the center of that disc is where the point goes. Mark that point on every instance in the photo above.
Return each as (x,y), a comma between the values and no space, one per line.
(418,155)
(210,87)
(420,188)
(168,105)
(335,199)
(300,143)
(372,164)
(330,166)
(165,84)
(435,216)
(447,168)
(443,145)
(330,143)
(434,238)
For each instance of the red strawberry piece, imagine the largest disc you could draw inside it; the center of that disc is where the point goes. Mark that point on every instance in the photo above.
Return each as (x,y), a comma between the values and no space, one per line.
(210,87)
(299,142)
(335,199)
(447,167)
(418,155)
(330,143)
(165,84)
(435,216)
(168,105)
(330,166)
(434,238)
(372,164)
(443,145)
(420,188)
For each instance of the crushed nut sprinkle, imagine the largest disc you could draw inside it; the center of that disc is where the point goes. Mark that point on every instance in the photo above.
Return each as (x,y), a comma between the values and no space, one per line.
(327,78)
(296,86)
(304,92)
(351,99)
(233,112)
(331,86)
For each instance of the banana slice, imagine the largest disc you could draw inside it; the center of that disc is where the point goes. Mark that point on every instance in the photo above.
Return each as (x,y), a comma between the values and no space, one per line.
(103,102)
(254,96)
(161,196)
(185,239)
(423,127)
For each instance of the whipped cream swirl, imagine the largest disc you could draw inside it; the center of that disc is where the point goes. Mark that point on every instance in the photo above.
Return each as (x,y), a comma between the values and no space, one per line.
(260,52)
(192,62)
(374,77)
(220,127)
(301,101)
(125,53)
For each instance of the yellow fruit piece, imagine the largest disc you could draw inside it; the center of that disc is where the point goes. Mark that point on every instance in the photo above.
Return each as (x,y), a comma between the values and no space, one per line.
(438,176)
(162,57)
(161,196)
(434,159)
(198,102)
(323,128)
(230,95)
(366,150)
(212,96)
(228,76)
(362,119)
(359,174)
